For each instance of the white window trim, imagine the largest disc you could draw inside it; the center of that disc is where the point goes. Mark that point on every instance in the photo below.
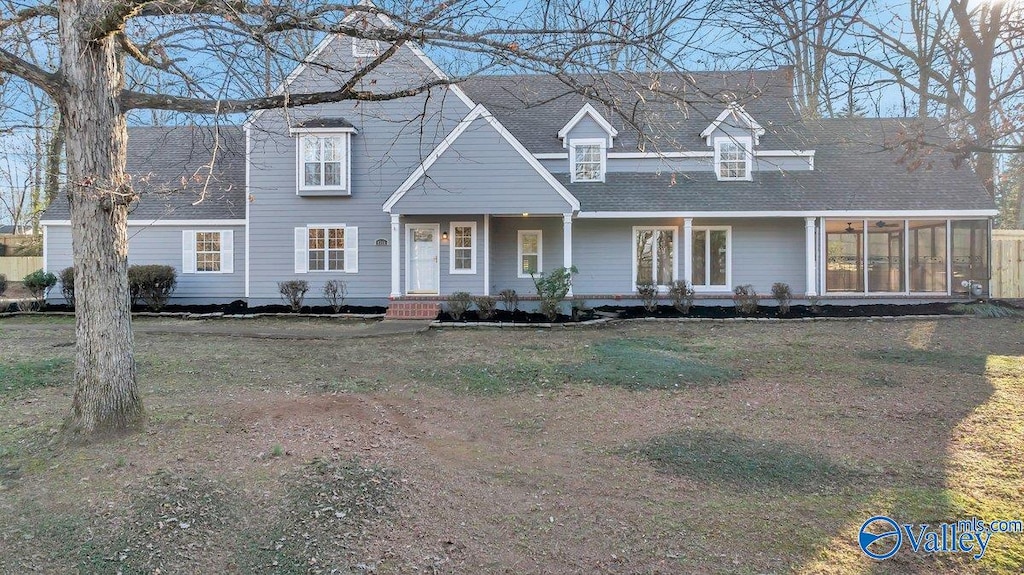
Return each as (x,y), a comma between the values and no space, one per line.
(325,228)
(602,143)
(519,253)
(225,266)
(356,53)
(748,143)
(675,253)
(709,288)
(345,135)
(451,247)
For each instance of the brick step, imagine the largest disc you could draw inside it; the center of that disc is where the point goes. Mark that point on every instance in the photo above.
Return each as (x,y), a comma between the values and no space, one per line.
(413,310)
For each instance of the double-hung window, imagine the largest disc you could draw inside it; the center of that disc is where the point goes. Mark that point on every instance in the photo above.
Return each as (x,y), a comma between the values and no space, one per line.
(207,251)
(327,248)
(324,166)
(531,257)
(462,253)
(588,160)
(733,158)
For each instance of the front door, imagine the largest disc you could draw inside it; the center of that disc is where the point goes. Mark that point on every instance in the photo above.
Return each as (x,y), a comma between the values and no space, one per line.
(422,245)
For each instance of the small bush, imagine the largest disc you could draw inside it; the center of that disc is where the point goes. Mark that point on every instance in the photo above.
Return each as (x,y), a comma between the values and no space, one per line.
(293,292)
(746,299)
(486,304)
(153,284)
(39,284)
(67,284)
(648,296)
(682,296)
(335,292)
(509,299)
(783,295)
(458,304)
(815,304)
(3,284)
(552,289)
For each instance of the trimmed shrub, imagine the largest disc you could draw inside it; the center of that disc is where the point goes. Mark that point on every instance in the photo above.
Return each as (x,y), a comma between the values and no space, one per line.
(510,299)
(783,295)
(486,305)
(648,296)
(67,284)
(552,289)
(39,284)
(682,296)
(458,304)
(335,292)
(746,299)
(293,292)
(152,284)
(3,284)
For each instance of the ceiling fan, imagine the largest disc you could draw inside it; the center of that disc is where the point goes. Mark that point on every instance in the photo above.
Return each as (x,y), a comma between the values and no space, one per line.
(883,224)
(849,228)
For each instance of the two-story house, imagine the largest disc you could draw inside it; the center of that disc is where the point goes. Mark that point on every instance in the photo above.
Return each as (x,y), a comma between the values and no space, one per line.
(709,177)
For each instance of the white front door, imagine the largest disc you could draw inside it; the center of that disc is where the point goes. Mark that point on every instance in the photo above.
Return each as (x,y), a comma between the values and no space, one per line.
(423,269)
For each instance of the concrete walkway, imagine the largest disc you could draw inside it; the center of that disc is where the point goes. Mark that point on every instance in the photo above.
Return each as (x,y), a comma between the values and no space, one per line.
(240,329)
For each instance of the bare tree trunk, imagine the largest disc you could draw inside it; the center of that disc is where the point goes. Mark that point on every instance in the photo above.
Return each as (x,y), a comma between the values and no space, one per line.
(54,153)
(106,396)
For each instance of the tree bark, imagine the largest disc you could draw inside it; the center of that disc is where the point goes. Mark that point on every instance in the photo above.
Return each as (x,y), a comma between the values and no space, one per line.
(106,396)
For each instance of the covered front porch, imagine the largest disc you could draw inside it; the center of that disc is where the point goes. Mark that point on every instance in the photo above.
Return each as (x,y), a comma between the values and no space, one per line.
(433,256)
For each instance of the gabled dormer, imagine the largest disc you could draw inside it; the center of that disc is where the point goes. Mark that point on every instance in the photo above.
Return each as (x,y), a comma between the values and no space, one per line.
(733,135)
(588,135)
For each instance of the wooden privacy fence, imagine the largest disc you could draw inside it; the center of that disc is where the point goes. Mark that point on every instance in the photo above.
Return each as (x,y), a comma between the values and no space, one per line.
(1008,264)
(17,268)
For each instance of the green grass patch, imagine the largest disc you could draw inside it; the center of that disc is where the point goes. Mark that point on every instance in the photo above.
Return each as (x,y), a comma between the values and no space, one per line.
(505,377)
(725,457)
(646,363)
(21,376)
(985,310)
(958,363)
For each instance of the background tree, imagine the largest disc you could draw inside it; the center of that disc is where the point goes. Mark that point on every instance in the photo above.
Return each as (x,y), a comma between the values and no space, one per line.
(96,42)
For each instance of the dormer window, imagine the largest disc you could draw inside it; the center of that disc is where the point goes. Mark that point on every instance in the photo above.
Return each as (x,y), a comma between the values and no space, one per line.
(587,159)
(323,165)
(733,158)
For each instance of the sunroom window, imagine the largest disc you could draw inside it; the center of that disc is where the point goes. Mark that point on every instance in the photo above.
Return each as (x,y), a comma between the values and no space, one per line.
(711,258)
(655,260)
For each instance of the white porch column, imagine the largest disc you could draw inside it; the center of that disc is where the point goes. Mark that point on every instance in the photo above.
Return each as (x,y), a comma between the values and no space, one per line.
(688,249)
(567,244)
(396,257)
(812,260)
(487,254)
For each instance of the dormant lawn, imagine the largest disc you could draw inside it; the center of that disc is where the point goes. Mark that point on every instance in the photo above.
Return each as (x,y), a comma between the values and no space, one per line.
(640,448)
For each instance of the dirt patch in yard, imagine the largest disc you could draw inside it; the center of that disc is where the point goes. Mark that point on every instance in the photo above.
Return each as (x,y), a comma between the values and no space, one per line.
(765,460)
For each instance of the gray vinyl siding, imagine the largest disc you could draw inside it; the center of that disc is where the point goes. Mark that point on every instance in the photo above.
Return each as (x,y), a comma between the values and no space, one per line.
(163,245)
(669,165)
(393,138)
(764,251)
(505,254)
(588,128)
(481,172)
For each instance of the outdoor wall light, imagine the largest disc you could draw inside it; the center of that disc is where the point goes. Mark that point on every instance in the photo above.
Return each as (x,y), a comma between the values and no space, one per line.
(444,236)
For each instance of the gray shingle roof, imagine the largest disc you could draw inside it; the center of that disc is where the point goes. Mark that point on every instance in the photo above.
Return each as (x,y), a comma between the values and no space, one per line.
(855,167)
(852,172)
(171,171)
(325,123)
(670,116)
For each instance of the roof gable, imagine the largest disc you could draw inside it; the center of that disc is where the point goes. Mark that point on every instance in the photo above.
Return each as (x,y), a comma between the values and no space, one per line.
(587,111)
(452,149)
(734,115)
